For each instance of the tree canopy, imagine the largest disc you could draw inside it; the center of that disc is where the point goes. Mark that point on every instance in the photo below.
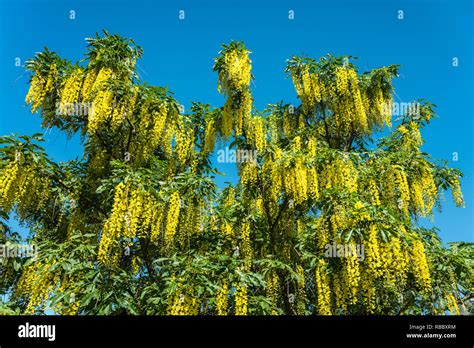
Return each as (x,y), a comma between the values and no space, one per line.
(139,226)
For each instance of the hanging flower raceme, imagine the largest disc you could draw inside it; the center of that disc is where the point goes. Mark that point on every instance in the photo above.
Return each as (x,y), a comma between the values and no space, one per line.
(394,262)
(300,308)
(36,283)
(41,85)
(323,289)
(234,69)
(341,173)
(134,214)
(209,135)
(124,108)
(257,135)
(352,274)
(248,174)
(182,302)
(222,299)
(273,291)
(184,144)
(102,103)
(456,192)
(70,91)
(246,245)
(423,193)
(374,193)
(24,186)
(452,304)
(373,253)
(172,219)
(241,300)
(308,87)
(360,115)
(420,267)
(398,186)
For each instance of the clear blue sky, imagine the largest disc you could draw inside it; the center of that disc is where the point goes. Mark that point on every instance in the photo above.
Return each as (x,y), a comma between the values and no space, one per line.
(179,53)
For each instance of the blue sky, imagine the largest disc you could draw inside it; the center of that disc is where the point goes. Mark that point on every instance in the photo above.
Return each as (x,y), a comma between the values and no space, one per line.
(179,54)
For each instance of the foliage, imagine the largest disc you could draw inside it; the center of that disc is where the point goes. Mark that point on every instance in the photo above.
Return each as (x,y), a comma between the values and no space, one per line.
(138,226)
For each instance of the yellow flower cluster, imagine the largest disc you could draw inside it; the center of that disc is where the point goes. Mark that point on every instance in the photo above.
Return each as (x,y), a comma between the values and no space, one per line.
(256,133)
(68,284)
(456,193)
(452,304)
(172,219)
(248,174)
(300,291)
(101,110)
(22,185)
(124,108)
(339,286)
(184,144)
(113,227)
(100,81)
(234,81)
(380,107)
(339,219)
(373,253)
(246,245)
(133,215)
(88,84)
(313,185)
(273,291)
(341,173)
(368,291)
(423,193)
(308,88)
(36,93)
(322,235)
(227,230)
(157,225)
(420,267)
(35,284)
(352,274)
(243,111)
(9,185)
(227,119)
(300,182)
(71,87)
(235,74)
(241,300)
(360,116)
(312,147)
(323,290)
(209,136)
(275,176)
(401,185)
(394,261)
(342,80)
(40,87)
(139,213)
(183,304)
(374,192)
(347,101)
(222,299)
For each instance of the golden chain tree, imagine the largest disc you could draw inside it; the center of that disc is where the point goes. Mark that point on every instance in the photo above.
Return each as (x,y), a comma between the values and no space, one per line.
(138,225)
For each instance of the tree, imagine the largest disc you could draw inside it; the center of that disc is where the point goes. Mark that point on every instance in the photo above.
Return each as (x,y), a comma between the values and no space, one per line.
(138,225)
